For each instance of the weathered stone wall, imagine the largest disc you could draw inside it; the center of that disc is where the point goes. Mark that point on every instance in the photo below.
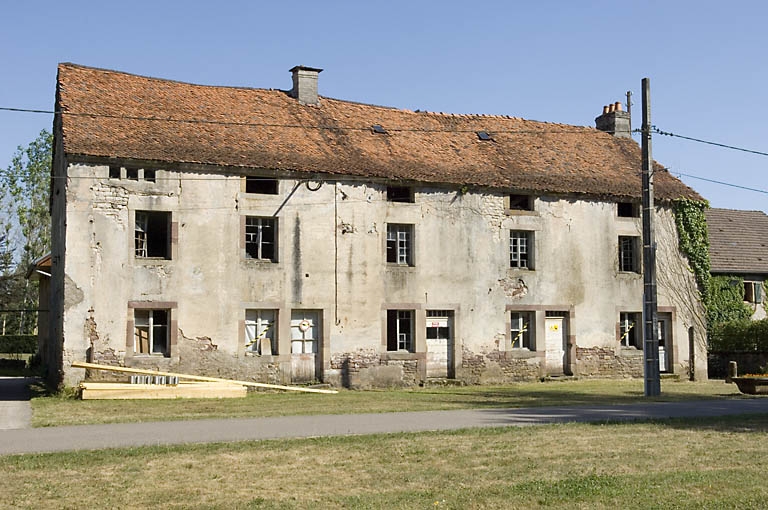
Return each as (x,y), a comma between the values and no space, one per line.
(606,362)
(496,367)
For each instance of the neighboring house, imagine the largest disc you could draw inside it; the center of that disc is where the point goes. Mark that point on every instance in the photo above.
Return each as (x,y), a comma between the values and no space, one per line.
(282,236)
(738,246)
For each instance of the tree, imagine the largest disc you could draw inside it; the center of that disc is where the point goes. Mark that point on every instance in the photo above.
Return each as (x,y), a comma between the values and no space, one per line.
(25,228)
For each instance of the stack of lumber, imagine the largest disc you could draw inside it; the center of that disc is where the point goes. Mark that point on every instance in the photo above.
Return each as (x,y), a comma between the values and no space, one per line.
(106,390)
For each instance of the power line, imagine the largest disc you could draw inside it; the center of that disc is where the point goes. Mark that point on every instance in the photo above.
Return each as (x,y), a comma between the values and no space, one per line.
(717,144)
(720,182)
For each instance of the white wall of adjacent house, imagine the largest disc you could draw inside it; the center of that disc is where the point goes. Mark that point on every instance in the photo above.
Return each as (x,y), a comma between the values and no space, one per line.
(330,258)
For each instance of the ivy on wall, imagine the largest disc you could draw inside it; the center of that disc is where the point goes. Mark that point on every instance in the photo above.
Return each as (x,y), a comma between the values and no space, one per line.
(725,300)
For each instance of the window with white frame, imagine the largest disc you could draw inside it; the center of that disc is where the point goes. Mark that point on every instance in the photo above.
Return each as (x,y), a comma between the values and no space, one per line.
(152,234)
(150,332)
(400,244)
(629,259)
(260,238)
(305,331)
(521,249)
(260,331)
(521,326)
(630,330)
(400,330)
(753,291)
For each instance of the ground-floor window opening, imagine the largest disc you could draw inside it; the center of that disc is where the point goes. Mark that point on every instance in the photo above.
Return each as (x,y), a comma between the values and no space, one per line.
(630,330)
(260,332)
(400,330)
(521,324)
(151,332)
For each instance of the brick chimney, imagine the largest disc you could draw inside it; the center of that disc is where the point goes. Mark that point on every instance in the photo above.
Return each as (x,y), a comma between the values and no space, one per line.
(305,84)
(614,121)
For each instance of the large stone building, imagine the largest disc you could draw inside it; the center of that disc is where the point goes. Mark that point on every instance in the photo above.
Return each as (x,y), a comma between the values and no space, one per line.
(282,236)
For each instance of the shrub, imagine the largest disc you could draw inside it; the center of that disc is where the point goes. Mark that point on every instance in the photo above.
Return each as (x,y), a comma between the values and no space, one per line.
(742,335)
(18,344)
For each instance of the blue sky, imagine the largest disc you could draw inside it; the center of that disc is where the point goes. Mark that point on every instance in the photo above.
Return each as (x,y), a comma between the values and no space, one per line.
(556,61)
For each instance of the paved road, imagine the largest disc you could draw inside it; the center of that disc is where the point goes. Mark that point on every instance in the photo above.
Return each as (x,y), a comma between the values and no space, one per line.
(88,437)
(15,411)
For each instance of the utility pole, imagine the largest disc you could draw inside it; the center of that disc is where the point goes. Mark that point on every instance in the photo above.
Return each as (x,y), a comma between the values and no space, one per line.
(650,312)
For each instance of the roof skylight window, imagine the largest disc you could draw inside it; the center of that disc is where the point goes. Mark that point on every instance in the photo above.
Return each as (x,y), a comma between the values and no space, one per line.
(378,129)
(484,136)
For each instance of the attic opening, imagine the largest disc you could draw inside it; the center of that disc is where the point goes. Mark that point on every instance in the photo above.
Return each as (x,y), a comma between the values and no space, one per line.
(260,185)
(518,202)
(628,210)
(400,194)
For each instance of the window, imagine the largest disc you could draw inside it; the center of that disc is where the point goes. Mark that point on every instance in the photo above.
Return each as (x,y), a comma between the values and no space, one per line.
(261,185)
(132,174)
(627,210)
(305,331)
(400,330)
(438,324)
(260,335)
(399,194)
(520,330)
(260,238)
(149,174)
(521,249)
(753,292)
(114,172)
(518,202)
(153,234)
(628,254)
(150,332)
(630,330)
(400,244)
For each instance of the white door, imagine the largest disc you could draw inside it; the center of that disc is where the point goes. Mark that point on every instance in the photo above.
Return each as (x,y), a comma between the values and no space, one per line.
(439,343)
(305,343)
(555,344)
(664,342)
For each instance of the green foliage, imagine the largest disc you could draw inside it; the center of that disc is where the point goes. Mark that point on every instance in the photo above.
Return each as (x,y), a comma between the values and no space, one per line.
(18,344)
(25,187)
(694,239)
(725,300)
(742,335)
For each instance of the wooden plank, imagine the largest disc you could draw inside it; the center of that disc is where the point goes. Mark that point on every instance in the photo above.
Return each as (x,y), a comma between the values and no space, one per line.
(124,391)
(110,368)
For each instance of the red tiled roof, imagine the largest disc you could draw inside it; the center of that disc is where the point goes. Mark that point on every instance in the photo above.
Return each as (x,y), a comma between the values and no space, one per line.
(738,241)
(257,128)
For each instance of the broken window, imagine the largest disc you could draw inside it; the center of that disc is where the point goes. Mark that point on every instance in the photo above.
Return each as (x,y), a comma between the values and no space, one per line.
(261,185)
(518,202)
(400,244)
(150,332)
(630,330)
(629,261)
(399,194)
(521,249)
(628,210)
(753,292)
(260,332)
(260,238)
(400,330)
(153,234)
(521,325)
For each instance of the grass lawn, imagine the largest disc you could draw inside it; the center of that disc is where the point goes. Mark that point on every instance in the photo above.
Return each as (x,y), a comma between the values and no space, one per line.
(702,463)
(67,410)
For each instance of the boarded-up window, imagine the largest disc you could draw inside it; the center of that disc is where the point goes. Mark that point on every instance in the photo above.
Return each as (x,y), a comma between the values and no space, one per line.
(260,331)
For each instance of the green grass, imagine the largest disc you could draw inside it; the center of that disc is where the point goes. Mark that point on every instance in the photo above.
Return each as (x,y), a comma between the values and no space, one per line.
(68,410)
(689,464)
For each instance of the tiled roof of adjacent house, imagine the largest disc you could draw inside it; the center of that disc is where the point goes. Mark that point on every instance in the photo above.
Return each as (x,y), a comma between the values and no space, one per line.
(738,241)
(117,115)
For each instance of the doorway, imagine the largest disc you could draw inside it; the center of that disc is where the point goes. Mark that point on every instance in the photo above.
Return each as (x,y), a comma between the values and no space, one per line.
(440,343)
(556,342)
(664,333)
(306,331)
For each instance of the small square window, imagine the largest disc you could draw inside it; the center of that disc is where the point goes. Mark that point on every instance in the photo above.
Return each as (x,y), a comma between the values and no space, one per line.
(521,326)
(152,235)
(261,332)
(114,171)
(261,238)
(399,194)
(261,185)
(400,244)
(519,202)
(629,260)
(149,174)
(400,330)
(521,249)
(628,210)
(753,292)
(150,332)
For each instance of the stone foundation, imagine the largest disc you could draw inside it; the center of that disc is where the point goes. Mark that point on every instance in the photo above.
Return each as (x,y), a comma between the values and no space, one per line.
(606,362)
(496,367)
